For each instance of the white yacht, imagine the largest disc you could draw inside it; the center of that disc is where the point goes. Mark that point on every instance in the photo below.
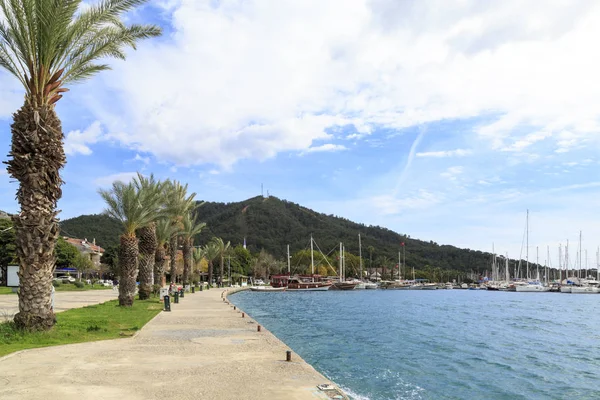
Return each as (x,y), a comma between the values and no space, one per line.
(533,287)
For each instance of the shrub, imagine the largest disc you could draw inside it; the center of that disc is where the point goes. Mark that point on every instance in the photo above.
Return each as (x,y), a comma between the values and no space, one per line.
(56,283)
(156,289)
(79,284)
(66,281)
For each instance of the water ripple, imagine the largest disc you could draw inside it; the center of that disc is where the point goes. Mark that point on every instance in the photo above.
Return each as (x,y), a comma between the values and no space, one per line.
(420,345)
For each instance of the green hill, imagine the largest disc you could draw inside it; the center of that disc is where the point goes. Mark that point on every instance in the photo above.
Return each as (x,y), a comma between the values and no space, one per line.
(272,223)
(104,229)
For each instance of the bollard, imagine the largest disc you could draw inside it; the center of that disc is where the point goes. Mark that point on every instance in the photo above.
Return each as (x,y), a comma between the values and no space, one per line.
(288,356)
(223,300)
(258,328)
(167,301)
(181,293)
(193,289)
(202,287)
(243,315)
(233,308)
(176,297)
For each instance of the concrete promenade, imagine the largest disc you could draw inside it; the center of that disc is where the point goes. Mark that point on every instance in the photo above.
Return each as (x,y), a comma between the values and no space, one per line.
(9,303)
(202,349)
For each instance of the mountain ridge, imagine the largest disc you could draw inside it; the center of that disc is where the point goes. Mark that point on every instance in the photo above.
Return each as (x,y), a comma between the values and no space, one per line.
(271,223)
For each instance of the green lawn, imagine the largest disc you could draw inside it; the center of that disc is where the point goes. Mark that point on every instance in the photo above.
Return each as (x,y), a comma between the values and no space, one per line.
(97,322)
(6,290)
(63,288)
(72,288)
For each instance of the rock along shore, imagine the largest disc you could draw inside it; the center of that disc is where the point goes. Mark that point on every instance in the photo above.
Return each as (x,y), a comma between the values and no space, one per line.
(202,349)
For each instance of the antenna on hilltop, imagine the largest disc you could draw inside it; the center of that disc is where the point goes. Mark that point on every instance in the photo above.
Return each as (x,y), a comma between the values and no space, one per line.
(262,194)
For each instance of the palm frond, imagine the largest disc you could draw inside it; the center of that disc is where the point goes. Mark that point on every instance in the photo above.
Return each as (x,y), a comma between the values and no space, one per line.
(41,39)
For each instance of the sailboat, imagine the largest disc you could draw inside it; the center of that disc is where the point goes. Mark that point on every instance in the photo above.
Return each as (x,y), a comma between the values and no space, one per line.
(310,282)
(342,284)
(531,286)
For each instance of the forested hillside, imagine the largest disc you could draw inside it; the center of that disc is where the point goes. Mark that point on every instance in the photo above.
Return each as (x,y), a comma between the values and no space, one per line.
(271,224)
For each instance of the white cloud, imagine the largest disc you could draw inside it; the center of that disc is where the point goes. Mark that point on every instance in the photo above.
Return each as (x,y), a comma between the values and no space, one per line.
(78,141)
(445,153)
(143,160)
(452,173)
(329,147)
(257,78)
(107,181)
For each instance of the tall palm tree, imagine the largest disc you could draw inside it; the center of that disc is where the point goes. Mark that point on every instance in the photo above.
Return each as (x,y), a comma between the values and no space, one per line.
(126,203)
(210,252)
(190,229)
(177,205)
(165,229)
(47,45)
(147,234)
(223,249)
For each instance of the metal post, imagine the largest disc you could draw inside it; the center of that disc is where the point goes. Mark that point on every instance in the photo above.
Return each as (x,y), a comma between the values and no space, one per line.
(288,356)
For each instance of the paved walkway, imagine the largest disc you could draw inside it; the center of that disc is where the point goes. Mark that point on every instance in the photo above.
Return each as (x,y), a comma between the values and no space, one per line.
(203,349)
(9,303)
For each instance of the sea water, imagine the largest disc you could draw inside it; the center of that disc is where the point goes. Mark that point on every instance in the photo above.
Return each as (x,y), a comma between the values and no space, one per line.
(442,344)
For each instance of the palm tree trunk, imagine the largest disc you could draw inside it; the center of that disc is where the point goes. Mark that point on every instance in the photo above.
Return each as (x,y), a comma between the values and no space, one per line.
(128,269)
(37,157)
(210,273)
(147,253)
(159,264)
(187,262)
(173,256)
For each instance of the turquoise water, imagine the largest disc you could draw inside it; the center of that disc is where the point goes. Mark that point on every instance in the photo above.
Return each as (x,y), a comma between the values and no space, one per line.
(442,344)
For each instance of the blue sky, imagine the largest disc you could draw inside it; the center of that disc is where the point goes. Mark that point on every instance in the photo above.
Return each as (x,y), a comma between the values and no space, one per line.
(443,120)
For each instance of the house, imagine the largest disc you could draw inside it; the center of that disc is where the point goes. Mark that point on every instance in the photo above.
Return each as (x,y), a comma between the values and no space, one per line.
(94,251)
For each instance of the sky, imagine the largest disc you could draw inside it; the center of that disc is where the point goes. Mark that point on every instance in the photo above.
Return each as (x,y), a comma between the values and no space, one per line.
(444,120)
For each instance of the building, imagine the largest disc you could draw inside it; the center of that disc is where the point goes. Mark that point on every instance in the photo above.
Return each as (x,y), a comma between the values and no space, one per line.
(94,251)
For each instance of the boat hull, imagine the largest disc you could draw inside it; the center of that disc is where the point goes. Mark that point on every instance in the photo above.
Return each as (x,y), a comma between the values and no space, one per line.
(565,289)
(585,290)
(267,289)
(309,288)
(532,289)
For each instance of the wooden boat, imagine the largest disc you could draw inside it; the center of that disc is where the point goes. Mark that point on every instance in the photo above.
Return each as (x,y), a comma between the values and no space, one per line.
(267,289)
(307,283)
(343,286)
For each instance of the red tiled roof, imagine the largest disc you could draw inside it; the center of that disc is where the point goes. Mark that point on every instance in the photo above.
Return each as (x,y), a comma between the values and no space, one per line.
(84,245)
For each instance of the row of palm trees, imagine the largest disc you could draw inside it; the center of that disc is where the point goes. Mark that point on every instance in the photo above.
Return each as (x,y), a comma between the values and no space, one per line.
(157,216)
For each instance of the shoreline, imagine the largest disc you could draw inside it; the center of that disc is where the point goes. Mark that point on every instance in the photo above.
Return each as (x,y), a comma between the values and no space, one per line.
(336,390)
(201,349)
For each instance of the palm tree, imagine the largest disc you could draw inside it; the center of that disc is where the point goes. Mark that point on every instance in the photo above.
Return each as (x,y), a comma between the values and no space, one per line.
(223,249)
(178,204)
(147,234)
(190,229)
(47,45)
(210,252)
(165,229)
(127,204)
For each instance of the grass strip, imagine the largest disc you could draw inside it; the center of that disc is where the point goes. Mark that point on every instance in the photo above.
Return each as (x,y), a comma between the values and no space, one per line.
(87,324)
(63,288)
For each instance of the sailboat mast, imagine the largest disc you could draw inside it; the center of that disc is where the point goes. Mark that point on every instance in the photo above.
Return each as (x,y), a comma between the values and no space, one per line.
(567,261)
(343,263)
(288,258)
(579,270)
(537,262)
(547,262)
(507,273)
(312,257)
(340,262)
(527,245)
(399,263)
(560,264)
(360,258)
